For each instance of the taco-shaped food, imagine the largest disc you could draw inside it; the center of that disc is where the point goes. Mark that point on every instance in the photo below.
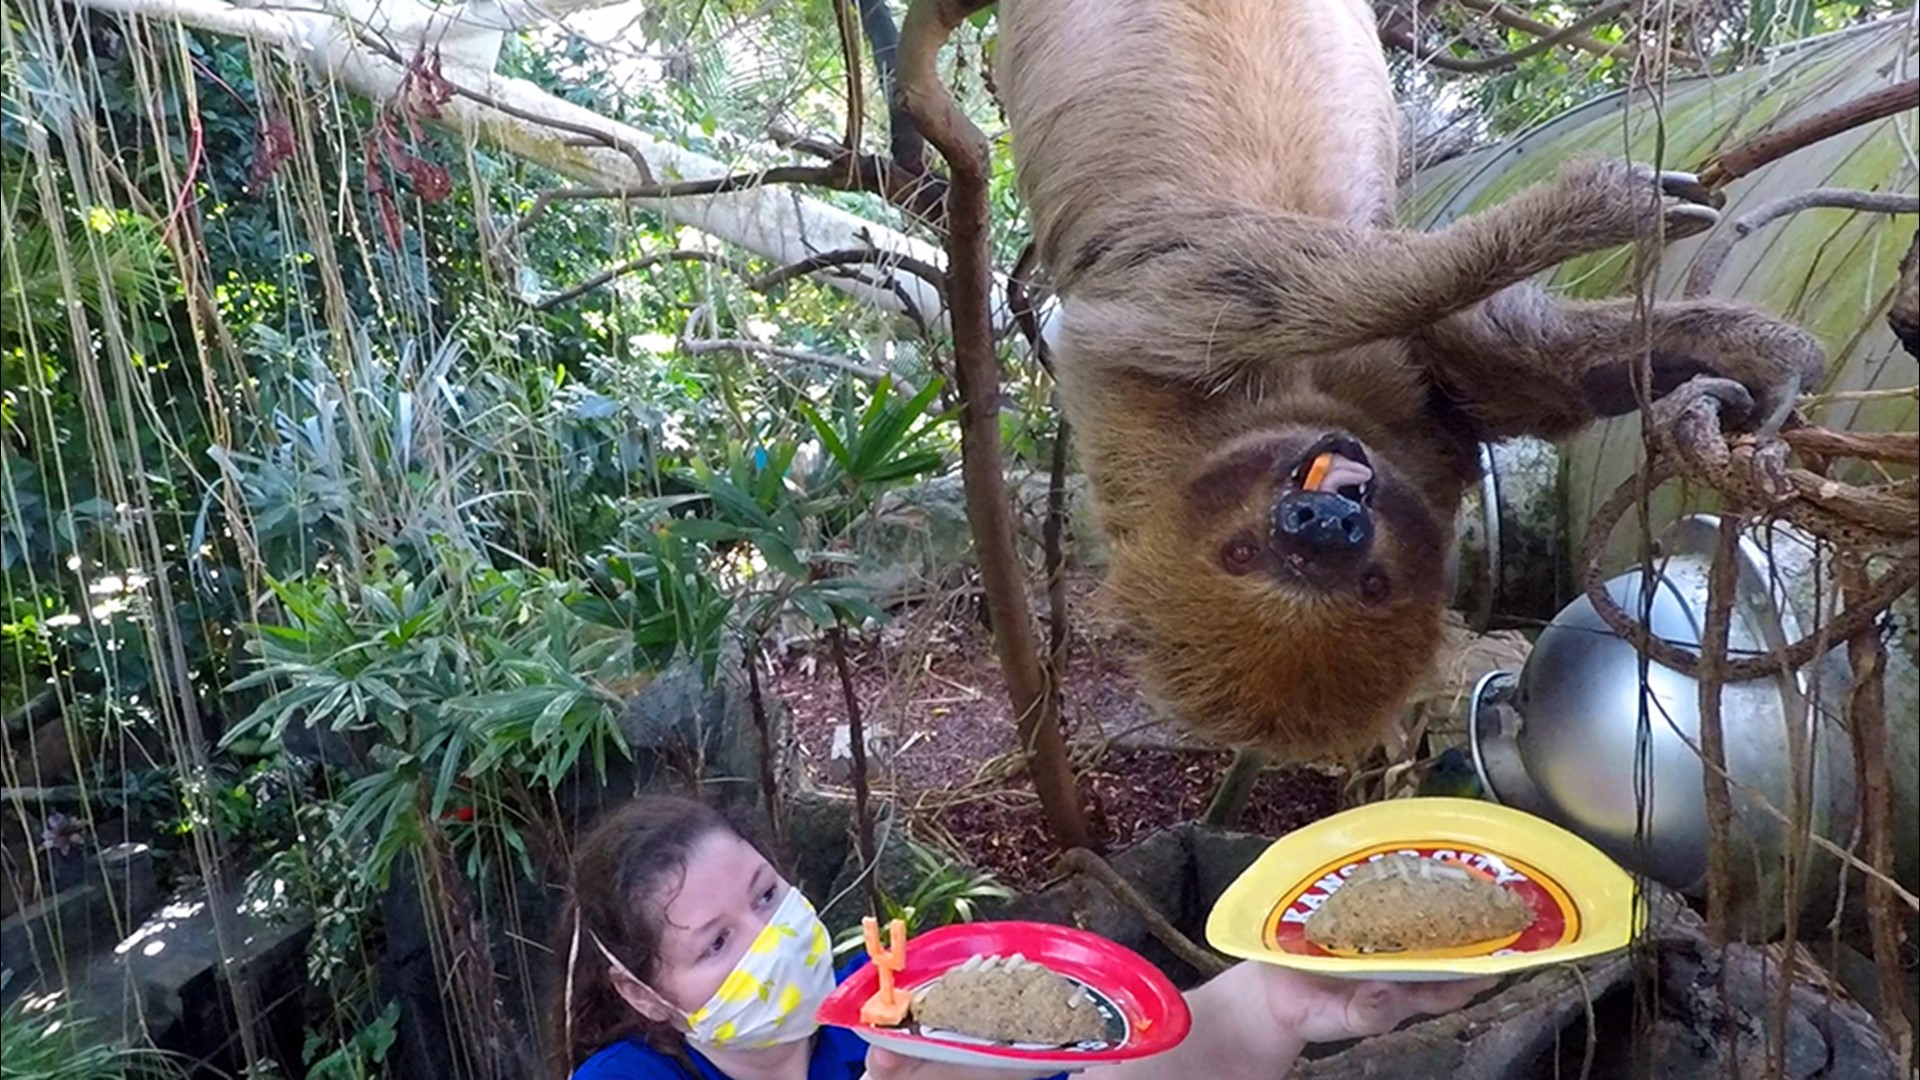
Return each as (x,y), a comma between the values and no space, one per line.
(1405,903)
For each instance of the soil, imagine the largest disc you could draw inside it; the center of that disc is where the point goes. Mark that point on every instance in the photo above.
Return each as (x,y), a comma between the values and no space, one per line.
(941,732)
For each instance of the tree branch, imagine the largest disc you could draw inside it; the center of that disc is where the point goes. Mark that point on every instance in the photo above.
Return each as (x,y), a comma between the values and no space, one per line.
(1404,41)
(214,16)
(635,265)
(1898,447)
(862,805)
(1020,304)
(516,117)
(1053,528)
(923,191)
(817,175)
(1707,264)
(1867,723)
(1750,155)
(798,356)
(969,297)
(593,136)
(1514,20)
(1713,744)
(1865,518)
(885,260)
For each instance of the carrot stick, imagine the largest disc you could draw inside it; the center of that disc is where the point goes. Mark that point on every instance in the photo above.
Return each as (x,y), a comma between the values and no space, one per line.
(1317,472)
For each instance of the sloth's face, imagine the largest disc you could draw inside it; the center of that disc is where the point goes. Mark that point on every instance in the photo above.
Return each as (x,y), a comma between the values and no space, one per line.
(1292,599)
(1317,513)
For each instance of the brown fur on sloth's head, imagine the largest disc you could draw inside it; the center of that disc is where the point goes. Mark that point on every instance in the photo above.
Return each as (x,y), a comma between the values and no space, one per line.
(1253,643)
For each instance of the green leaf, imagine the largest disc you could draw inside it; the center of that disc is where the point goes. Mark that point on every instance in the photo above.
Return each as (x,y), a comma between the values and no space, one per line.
(814,608)
(550,717)
(829,439)
(450,758)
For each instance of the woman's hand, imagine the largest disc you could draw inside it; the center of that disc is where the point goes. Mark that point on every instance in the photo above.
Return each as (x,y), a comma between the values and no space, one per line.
(887,1065)
(1321,1009)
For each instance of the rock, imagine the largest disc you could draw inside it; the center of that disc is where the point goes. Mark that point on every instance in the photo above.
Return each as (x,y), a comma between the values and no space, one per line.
(42,942)
(169,982)
(432,1037)
(1219,856)
(319,744)
(914,540)
(1824,1032)
(686,737)
(845,900)
(1161,868)
(1086,905)
(818,840)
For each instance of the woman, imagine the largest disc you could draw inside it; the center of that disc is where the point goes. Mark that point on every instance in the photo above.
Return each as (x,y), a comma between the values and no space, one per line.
(687,956)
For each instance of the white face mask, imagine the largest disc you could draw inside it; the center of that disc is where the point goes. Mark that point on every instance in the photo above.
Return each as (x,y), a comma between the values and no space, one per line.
(772,994)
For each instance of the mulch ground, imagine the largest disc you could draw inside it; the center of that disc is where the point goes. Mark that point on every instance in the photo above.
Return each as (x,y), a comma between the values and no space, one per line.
(931,698)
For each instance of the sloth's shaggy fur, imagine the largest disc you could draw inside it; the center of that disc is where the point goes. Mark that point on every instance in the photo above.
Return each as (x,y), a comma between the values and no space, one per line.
(1212,189)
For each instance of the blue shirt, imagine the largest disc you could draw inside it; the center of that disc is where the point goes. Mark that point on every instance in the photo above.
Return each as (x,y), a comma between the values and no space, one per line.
(838,1054)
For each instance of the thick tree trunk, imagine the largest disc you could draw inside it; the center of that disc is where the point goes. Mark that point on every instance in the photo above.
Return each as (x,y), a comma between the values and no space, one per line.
(977,371)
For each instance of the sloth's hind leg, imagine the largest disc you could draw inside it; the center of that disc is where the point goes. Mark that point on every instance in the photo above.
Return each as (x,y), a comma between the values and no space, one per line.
(1525,363)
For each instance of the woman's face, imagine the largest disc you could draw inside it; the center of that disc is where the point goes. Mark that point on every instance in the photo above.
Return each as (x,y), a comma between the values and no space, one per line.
(710,914)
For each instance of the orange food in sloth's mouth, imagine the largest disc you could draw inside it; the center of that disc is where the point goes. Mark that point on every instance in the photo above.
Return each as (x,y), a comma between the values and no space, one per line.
(1332,472)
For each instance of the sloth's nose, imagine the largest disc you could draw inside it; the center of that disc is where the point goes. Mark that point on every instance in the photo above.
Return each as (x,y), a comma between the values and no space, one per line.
(1322,523)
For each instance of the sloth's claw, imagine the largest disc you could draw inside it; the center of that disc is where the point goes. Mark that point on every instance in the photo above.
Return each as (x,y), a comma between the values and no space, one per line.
(1687,219)
(1686,185)
(1687,206)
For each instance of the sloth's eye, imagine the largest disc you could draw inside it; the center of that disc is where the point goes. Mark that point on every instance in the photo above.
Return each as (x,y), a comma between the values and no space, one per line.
(1239,554)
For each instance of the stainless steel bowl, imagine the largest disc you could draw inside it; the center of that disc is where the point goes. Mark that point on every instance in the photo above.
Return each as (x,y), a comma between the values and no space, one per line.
(1563,739)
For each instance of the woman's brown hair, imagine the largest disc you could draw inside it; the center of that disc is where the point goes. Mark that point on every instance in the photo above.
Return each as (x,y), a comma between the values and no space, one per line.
(617,870)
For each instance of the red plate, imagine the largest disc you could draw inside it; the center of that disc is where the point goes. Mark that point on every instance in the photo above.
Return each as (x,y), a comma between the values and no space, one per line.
(1145,1014)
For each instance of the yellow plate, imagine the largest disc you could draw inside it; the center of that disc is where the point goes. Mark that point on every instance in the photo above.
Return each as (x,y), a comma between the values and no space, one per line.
(1584,904)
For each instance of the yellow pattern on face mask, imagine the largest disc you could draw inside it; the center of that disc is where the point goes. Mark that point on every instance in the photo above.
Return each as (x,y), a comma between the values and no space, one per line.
(821,946)
(789,1000)
(769,939)
(723,1034)
(741,986)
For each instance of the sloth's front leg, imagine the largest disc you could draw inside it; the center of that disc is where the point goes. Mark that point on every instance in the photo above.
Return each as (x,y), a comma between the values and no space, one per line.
(1209,290)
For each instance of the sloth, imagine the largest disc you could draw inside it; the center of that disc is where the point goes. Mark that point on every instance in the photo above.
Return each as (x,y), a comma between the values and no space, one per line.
(1279,395)
(1904,313)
